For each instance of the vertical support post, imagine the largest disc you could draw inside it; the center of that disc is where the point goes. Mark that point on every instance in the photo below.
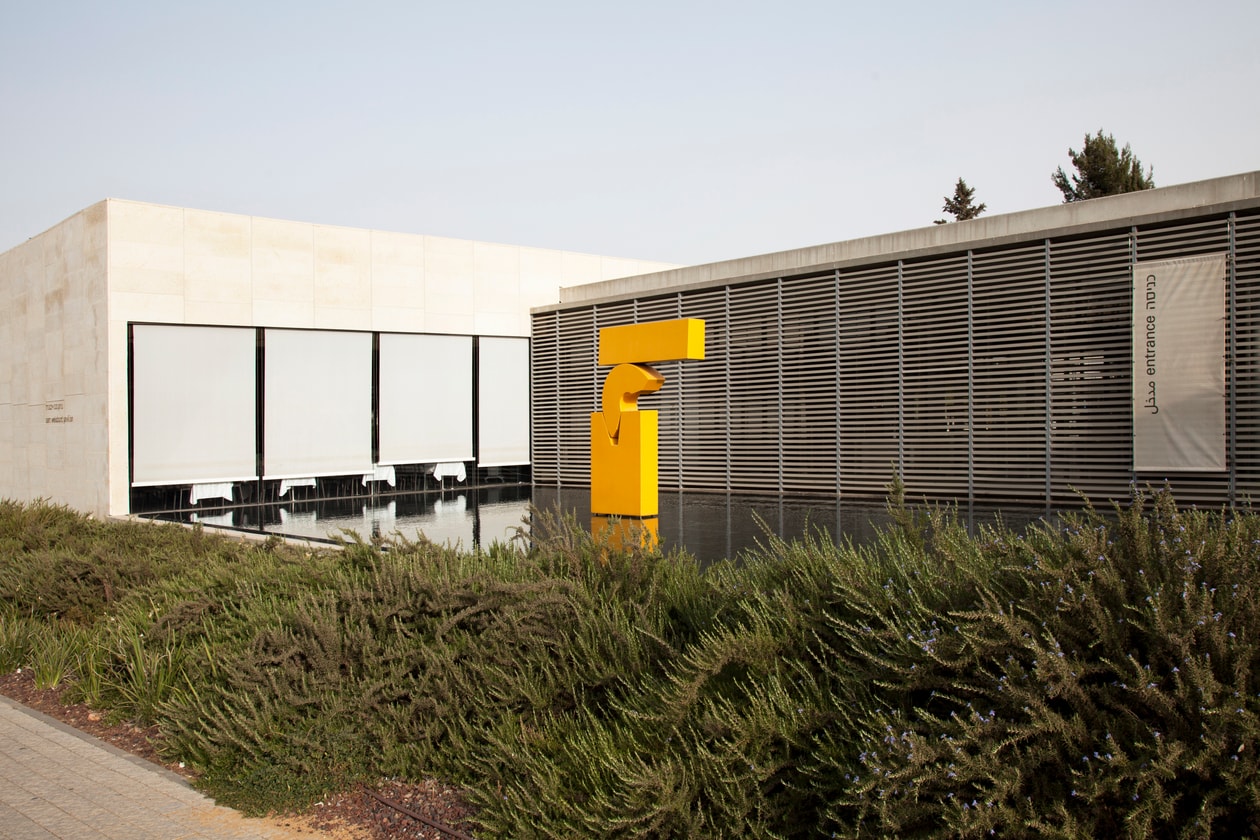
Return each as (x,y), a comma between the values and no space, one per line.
(475,361)
(131,414)
(901,371)
(971,383)
(555,388)
(681,392)
(1049,382)
(726,361)
(375,409)
(376,400)
(778,341)
(1133,258)
(838,411)
(595,396)
(1231,358)
(260,404)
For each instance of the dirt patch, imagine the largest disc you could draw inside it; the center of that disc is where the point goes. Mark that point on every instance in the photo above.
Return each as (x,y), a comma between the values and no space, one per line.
(352,815)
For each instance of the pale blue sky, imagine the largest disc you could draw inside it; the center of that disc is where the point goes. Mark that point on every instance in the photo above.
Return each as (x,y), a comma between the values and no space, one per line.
(679,131)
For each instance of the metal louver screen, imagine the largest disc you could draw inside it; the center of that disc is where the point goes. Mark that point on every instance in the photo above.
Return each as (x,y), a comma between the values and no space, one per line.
(705,413)
(936,428)
(1245,384)
(753,358)
(666,402)
(869,380)
(807,335)
(576,391)
(1010,378)
(1091,423)
(545,404)
(1000,373)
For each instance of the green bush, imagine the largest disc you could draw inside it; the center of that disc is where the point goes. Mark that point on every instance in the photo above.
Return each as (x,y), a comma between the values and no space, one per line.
(59,564)
(17,634)
(1093,678)
(409,659)
(1101,682)
(54,653)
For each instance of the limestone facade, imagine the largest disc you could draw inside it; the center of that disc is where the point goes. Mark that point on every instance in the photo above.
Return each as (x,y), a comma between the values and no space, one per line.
(72,291)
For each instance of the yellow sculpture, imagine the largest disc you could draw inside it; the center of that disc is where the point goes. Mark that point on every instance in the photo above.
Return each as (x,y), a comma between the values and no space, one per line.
(623,439)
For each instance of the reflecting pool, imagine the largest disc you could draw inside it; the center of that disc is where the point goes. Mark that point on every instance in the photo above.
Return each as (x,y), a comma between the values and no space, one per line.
(465,518)
(709,526)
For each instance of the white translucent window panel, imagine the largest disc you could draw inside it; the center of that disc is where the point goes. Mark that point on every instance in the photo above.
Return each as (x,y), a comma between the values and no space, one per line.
(193,405)
(426,399)
(317,403)
(502,402)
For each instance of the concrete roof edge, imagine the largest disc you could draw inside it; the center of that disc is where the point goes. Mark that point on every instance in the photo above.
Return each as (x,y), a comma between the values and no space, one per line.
(103,203)
(1163,203)
(253,217)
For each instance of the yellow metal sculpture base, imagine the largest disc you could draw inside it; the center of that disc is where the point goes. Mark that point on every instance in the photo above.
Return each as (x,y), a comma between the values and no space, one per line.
(623,471)
(622,534)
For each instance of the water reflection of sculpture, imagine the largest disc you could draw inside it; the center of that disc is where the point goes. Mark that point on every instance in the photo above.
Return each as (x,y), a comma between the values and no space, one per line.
(624,440)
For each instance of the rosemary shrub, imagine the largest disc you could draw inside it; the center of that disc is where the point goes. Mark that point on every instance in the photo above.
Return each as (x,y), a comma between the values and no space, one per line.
(1095,677)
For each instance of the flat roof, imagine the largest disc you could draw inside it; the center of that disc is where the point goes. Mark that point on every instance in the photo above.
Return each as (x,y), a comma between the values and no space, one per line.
(1217,195)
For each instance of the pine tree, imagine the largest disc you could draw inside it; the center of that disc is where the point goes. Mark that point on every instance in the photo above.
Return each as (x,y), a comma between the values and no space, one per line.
(1102,169)
(961,205)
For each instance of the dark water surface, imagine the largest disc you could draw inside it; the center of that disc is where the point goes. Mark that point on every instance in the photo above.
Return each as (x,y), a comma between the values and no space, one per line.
(709,526)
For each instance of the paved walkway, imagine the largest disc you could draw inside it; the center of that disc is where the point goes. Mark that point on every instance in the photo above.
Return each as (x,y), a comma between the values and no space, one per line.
(56,782)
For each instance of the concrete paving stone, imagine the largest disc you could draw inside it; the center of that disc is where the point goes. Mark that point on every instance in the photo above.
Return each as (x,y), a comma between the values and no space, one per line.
(18,825)
(40,810)
(59,784)
(67,826)
(30,831)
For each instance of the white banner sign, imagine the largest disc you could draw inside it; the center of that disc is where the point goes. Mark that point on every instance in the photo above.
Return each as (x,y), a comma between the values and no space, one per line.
(1179,365)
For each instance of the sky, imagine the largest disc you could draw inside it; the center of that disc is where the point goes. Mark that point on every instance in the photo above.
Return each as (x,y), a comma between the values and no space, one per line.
(680,131)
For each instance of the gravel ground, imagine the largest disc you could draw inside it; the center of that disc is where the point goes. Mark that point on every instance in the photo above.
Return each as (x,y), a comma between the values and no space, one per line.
(351,815)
